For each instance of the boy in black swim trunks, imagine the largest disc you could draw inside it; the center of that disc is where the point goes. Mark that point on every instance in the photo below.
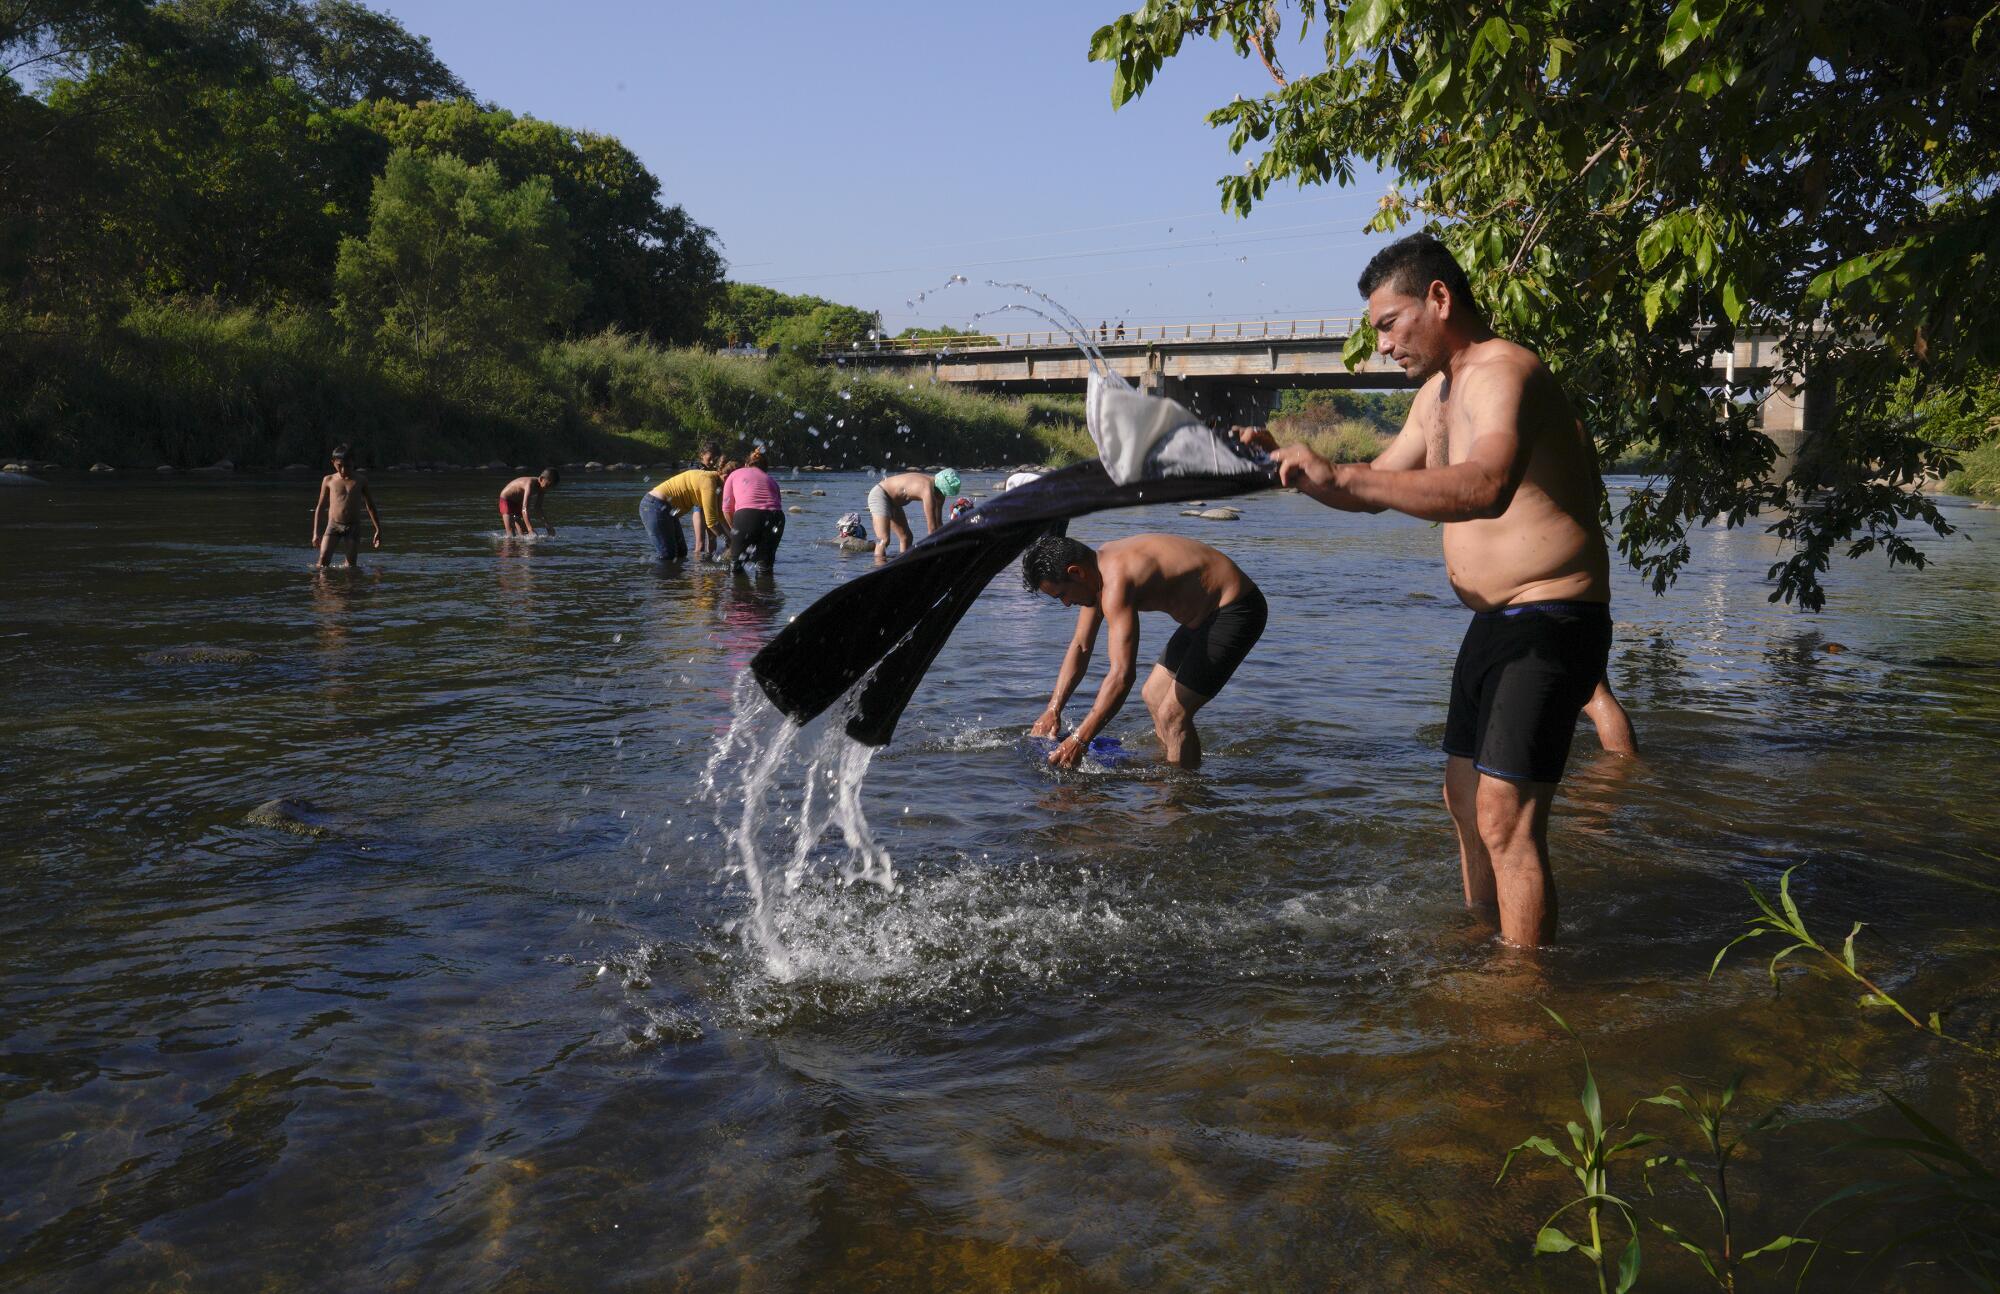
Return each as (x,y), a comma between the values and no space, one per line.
(1221,614)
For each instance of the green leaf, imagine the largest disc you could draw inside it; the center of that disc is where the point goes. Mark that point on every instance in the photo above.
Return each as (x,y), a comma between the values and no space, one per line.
(1366,20)
(1360,345)
(1782,1242)
(1753,934)
(1732,300)
(1655,294)
(1872,999)
(1628,1265)
(1656,240)
(1791,908)
(1847,949)
(1495,33)
(1551,1241)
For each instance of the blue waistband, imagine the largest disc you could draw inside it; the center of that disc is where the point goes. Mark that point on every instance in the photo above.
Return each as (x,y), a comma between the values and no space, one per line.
(1519,608)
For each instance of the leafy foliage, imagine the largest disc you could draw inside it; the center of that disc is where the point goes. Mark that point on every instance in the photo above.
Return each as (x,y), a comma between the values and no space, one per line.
(1594,1145)
(458,267)
(1634,186)
(646,267)
(750,312)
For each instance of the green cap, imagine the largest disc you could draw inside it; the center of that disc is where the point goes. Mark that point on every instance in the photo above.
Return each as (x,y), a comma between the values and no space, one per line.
(947,482)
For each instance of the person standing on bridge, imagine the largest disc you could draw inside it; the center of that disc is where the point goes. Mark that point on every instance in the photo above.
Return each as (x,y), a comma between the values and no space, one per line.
(1492,449)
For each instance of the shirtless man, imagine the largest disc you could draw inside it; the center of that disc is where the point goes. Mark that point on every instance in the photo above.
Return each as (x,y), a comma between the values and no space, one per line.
(1493,450)
(886,500)
(338,492)
(518,500)
(1220,612)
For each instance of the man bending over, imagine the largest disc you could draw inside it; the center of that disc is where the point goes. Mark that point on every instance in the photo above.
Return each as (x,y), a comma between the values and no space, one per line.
(1220,612)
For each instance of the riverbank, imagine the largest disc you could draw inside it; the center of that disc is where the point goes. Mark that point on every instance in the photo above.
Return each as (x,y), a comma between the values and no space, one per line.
(1978,474)
(188,386)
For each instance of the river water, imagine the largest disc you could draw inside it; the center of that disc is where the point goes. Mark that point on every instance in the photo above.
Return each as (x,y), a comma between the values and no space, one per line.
(504,1024)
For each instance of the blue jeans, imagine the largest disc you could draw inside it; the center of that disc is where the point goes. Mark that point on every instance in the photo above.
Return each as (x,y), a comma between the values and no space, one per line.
(669,545)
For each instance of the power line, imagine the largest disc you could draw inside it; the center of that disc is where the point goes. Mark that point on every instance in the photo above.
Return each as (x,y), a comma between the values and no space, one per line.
(1319,228)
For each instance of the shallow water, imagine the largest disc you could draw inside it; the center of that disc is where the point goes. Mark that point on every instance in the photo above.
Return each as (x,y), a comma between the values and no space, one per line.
(504,1024)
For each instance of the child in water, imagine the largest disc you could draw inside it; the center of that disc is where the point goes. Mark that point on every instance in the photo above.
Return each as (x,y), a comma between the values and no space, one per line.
(518,500)
(338,492)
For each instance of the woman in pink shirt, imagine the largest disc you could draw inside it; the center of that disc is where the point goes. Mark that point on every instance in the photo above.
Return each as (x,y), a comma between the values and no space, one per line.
(755,514)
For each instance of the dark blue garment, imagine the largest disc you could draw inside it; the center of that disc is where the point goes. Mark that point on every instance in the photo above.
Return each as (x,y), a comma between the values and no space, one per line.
(888,624)
(669,544)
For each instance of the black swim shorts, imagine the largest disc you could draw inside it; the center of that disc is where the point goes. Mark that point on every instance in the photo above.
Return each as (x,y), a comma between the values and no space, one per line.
(1523,673)
(1202,657)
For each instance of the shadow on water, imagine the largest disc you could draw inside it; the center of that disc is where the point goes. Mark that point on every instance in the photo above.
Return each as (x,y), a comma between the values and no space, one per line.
(501,1005)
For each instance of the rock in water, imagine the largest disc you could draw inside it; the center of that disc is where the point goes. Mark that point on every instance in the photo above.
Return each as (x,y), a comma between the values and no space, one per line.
(199,655)
(1213,514)
(295,816)
(20,478)
(102,467)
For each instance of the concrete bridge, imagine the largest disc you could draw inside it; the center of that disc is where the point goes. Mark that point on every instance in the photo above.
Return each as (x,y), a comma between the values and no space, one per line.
(1233,370)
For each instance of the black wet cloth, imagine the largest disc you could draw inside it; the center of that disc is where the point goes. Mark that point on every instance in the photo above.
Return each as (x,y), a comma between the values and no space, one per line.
(1202,657)
(889,624)
(754,534)
(1523,674)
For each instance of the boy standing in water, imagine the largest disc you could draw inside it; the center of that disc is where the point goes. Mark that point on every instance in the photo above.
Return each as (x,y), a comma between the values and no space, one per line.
(338,491)
(518,499)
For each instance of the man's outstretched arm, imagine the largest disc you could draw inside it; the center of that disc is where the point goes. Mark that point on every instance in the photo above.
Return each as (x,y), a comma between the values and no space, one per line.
(1479,487)
(1121,668)
(1076,662)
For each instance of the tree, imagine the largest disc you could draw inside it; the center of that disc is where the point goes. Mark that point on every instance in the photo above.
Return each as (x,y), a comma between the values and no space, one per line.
(647,268)
(825,324)
(194,186)
(337,51)
(458,268)
(1632,185)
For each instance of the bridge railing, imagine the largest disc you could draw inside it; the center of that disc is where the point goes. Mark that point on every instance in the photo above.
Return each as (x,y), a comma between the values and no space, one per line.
(1112,335)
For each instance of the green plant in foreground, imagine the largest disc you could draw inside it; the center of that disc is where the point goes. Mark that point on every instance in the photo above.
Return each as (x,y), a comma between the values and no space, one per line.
(1956,1200)
(1791,925)
(1709,1114)
(1596,1145)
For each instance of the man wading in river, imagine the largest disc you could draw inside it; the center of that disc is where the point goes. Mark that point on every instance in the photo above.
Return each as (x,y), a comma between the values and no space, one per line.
(1493,450)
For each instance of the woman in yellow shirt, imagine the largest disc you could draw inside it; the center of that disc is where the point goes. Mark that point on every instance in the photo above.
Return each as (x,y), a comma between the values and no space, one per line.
(696,490)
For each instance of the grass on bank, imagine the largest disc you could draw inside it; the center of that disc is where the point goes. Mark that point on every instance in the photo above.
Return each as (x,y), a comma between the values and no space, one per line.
(1978,473)
(188,385)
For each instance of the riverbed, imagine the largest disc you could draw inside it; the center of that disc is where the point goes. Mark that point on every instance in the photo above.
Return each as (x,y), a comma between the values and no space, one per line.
(487,1011)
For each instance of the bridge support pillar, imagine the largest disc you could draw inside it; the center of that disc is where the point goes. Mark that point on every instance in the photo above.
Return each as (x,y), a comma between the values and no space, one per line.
(1790,415)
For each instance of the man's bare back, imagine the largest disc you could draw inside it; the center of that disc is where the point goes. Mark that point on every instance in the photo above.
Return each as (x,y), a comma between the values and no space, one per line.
(1182,578)
(908,487)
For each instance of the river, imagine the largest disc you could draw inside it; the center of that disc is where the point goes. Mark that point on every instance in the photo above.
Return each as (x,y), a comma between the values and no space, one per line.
(501,1025)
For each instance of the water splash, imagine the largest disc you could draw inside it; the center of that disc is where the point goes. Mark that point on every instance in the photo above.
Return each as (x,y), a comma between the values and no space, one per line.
(763,792)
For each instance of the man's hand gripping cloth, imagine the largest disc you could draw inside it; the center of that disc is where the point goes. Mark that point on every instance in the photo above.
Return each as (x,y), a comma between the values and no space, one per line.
(883,629)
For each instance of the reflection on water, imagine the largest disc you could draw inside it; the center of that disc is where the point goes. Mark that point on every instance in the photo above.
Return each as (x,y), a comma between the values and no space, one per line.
(502,1020)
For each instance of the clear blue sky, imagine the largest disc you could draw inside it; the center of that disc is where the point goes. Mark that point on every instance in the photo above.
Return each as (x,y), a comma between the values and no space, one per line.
(865,151)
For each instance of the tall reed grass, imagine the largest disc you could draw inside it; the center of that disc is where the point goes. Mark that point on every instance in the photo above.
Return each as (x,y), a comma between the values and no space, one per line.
(188,385)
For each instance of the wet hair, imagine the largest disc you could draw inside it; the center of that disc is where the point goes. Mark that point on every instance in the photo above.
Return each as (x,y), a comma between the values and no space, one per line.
(1410,265)
(707,449)
(1049,557)
(340,450)
(551,476)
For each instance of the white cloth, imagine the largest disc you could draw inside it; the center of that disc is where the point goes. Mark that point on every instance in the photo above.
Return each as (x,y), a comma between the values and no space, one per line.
(1147,437)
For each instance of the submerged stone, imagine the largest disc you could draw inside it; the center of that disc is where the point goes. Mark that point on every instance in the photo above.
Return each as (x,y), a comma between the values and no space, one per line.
(284,814)
(201,655)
